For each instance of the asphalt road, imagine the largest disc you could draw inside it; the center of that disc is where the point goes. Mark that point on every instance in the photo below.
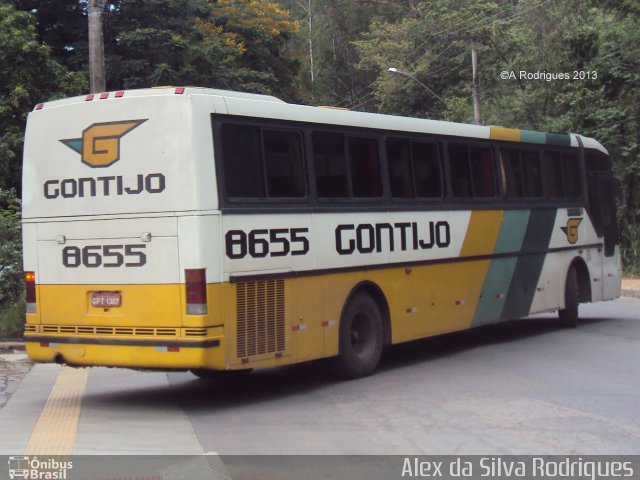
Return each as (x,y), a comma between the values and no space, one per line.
(518,388)
(525,387)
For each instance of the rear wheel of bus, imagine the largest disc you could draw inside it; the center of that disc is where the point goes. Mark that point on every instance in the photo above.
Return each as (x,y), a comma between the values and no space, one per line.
(361,337)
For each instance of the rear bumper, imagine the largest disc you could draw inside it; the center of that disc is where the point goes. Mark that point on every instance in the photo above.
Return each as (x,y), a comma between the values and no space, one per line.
(130,353)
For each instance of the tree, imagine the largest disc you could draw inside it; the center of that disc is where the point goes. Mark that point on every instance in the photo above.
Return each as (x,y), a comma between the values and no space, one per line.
(29,76)
(233,44)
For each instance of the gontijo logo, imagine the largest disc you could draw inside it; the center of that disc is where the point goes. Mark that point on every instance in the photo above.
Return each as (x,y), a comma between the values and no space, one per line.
(99,147)
(100,142)
(571,230)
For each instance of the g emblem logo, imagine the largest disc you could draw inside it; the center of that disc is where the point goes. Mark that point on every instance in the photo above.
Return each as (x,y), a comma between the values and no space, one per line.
(571,230)
(100,143)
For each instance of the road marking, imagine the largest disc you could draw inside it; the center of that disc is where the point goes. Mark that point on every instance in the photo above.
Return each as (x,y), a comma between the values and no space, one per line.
(55,432)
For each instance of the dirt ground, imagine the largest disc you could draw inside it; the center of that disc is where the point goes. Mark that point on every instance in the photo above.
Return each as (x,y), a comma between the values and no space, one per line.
(631,283)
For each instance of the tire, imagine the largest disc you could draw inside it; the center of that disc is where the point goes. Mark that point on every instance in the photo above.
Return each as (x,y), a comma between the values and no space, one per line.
(569,315)
(206,374)
(360,343)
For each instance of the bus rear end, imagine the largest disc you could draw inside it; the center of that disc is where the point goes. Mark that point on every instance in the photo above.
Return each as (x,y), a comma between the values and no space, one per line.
(118,190)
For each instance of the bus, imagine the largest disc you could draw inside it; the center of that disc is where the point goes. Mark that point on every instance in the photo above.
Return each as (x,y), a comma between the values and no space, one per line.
(216,231)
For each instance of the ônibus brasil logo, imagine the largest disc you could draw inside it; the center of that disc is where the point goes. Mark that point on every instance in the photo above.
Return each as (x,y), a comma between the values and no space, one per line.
(100,143)
(32,468)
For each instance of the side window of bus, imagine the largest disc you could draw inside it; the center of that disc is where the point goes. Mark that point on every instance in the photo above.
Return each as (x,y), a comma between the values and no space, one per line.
(553,175)
(460,170)
(571,175)
(242,160)
(346,166)
(483,172)
(426,165)
(249,152)
(532,173)
(284,163)
(513,174)
(414,169)
(400,168)
(522,173)
(472,171)
(561,175)
(365,167)
(331,165)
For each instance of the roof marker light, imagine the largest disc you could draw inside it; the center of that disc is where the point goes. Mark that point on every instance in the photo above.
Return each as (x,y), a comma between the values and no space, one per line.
(39,106)
(179,90)
(89,97)
(104,95)
(120,94)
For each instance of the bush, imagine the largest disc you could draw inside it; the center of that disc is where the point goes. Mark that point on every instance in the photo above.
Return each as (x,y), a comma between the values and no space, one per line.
(12,320)
(11,276)
(630,240)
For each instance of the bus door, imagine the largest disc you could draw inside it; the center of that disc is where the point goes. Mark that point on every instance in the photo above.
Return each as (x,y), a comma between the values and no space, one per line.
(602,211)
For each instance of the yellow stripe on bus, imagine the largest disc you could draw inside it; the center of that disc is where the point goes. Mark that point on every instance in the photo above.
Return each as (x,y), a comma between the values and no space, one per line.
(482,233)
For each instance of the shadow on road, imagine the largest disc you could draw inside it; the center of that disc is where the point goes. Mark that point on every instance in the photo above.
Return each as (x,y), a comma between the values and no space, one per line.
(271,384)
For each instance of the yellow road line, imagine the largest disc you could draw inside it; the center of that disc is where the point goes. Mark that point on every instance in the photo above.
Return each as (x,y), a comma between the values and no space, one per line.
(55,432)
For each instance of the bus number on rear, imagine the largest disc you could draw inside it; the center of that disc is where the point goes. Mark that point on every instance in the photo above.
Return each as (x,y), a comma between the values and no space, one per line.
(94,256)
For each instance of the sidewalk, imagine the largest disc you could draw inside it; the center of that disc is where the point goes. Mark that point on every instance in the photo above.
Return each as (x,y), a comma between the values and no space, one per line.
(631,287)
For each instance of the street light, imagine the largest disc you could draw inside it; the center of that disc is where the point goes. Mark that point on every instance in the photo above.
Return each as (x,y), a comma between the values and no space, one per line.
(407,74)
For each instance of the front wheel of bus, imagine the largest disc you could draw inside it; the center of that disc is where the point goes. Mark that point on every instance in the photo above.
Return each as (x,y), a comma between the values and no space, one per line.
(569,315)
(360,344)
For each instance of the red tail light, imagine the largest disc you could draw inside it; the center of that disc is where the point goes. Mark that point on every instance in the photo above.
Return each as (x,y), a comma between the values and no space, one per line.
(196,287)
(30,287)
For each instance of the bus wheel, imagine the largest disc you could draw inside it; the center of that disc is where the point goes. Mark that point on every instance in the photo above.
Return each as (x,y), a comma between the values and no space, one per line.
(360,344)
(206,374)
(569,315)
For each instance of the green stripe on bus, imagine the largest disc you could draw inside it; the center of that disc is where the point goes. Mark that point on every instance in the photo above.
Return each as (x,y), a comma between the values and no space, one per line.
(532,137)
(558,139)
(529,266)
(514,227)
(498,280)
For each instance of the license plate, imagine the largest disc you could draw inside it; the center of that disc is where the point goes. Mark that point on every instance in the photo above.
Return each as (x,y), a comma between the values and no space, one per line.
(106,299)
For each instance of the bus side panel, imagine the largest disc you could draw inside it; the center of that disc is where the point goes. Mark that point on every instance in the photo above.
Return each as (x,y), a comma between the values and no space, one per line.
(612,276)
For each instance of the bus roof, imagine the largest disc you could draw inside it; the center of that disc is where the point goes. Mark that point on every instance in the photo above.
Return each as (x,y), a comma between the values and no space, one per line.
(251,104)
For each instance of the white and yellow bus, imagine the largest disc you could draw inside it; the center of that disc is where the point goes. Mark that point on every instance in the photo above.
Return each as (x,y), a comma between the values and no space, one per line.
(188,228)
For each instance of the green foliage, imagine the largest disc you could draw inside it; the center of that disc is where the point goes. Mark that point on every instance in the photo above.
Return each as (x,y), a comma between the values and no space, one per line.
(29,76)
(12,320)
(231,44)
(11,280)
(11,285)
(433,44)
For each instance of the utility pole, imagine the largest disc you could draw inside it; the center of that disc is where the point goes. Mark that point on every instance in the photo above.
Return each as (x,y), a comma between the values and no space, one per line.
(310,29)
(476,87)
(96,46)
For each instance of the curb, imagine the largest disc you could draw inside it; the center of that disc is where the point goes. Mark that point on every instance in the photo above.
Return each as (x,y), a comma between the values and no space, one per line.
(630,293)
(12,344)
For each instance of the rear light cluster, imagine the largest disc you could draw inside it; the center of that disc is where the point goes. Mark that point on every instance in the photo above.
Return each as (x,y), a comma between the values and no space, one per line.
(196,290)
(30,287)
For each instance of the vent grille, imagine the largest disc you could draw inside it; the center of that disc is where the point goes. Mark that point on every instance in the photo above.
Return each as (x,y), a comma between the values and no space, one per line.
(88,330)
(260,316)
(195,332)
(30,328)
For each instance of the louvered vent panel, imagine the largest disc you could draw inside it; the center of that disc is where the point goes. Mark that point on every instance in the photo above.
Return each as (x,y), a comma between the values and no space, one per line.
(260,316)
